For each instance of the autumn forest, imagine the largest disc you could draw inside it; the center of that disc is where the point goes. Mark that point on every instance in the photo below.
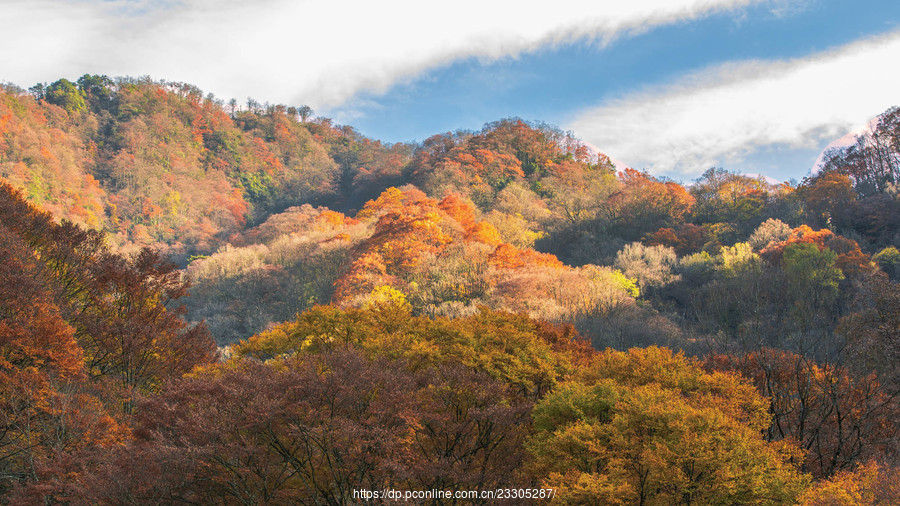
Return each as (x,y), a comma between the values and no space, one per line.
(211,302)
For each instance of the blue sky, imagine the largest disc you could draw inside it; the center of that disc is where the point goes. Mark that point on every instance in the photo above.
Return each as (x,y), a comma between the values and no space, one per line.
(671,86)
(556,84)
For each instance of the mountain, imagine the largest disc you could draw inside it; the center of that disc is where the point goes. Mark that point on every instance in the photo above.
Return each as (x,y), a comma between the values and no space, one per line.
(156,163)
(427,316)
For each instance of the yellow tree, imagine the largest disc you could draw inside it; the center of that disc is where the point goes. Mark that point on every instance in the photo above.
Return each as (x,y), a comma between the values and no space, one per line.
(650,427)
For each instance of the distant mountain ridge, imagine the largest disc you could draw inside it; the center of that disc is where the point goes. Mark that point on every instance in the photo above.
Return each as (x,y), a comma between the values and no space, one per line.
(157,163)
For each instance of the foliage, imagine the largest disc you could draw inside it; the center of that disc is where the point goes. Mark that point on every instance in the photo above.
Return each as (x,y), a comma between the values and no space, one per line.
(839,418)
(64,94)
(872,330)
(888,259)
(768,232)
(651,266)
(871,164)
(729,197)
(82,330)
(737,258)
(513,348)
(868,484)
(41,152)
(849,257)
(156,163)
(275,270)
(462,270)
(651,427)
(317,429)
(856,187)
(685,239)
(643,204)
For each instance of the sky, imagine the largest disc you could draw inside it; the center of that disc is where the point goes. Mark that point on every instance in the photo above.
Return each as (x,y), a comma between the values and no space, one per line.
(673,87)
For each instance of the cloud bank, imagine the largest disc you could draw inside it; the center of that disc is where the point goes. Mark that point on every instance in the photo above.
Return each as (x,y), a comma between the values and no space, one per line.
(723,114)
(314,52)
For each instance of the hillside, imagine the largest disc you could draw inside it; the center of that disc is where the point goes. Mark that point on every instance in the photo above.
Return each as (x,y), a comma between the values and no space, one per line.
(489,269)
(159,164)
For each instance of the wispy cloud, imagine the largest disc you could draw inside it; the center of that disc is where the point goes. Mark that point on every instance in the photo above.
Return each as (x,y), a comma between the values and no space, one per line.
(318,52)
(721,115)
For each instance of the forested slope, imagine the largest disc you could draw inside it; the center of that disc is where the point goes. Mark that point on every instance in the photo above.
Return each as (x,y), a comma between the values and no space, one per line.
(428,315)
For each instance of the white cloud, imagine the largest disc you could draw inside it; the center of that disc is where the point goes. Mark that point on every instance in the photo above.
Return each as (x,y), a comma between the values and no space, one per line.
(723,114)
(318,52)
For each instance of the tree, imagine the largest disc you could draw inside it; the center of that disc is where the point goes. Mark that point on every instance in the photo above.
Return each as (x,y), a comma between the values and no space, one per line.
(769,232)
(839,418)
(730,197)
(305,112)
(812,282)
(649,427)
(872,162)
(652,266)
(686,239)
(828,197)
(37,91)
(116,305)
(316,428)
(872,330)
(65,94)
(130,334)
(867,485)
(644,204)
(51,419)
(888,259)
(527,354)
(99,91)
